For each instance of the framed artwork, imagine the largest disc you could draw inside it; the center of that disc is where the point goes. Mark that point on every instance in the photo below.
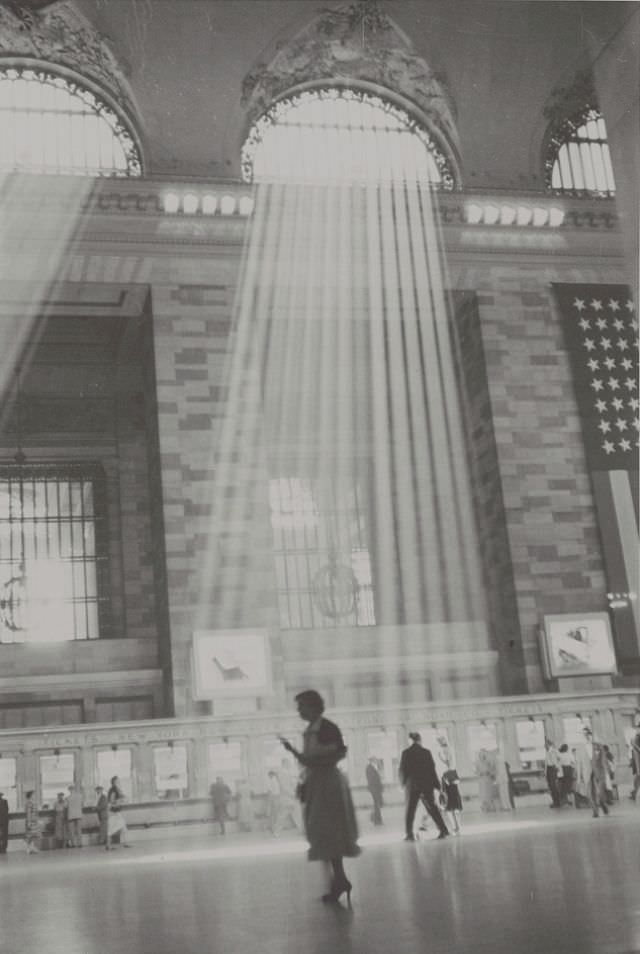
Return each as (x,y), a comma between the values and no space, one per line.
(231,662)
(578,645)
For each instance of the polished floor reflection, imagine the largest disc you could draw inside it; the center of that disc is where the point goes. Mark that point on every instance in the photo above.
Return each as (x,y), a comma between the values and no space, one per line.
(536,882)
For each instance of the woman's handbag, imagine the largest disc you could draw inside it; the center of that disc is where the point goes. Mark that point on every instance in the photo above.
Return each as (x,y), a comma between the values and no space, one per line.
(301,791)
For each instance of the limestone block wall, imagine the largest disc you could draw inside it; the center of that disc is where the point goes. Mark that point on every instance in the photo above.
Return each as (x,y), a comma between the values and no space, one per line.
(504,624)
(550,517)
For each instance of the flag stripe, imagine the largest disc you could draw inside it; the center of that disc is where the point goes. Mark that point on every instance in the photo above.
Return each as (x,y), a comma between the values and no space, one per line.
(618,531)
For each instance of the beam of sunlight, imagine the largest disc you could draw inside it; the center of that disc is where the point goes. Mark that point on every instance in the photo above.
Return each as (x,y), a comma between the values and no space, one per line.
(343,494)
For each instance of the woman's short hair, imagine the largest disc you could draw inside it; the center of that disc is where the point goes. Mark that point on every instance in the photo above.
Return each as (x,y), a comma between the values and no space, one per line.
(415,736)
(311,698)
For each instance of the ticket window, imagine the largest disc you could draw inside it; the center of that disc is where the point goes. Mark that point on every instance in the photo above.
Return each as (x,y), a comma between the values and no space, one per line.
(57,773)
(119,761)
(573,729)
(480,736)
(170,771)
(8,781)
(530,739)
(382,745)
(436,739)
(225,759)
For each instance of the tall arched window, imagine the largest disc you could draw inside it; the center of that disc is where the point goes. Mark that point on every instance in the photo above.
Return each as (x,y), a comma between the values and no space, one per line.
(577,157)
(53,124)
(338,134)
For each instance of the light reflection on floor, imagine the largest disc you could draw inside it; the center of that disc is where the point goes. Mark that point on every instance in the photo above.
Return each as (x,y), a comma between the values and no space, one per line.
(539,883)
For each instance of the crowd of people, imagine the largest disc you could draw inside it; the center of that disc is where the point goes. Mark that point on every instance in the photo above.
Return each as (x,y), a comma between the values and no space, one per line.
(585,776)
(68,811)
(318,799)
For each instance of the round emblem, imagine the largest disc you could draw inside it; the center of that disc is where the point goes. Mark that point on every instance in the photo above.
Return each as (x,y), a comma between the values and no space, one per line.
(335,588)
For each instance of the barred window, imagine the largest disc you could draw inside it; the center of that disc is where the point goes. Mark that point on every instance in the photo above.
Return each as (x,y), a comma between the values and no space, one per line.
(578,160)
(322,558)
(343,135)
(51,124)
(53,555)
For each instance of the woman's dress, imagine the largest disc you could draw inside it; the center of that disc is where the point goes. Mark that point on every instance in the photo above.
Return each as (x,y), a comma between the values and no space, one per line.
(329,815)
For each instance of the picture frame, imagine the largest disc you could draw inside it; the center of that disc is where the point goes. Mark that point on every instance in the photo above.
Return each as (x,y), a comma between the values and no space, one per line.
(232,662)
(577,645)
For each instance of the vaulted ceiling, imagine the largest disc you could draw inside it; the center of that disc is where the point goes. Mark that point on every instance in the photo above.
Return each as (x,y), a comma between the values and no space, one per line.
(185,62)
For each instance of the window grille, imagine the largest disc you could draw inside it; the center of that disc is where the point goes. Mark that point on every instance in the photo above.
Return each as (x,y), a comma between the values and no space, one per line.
(578,159)
(342,135)
(51,124)
(53,554)
(322,559)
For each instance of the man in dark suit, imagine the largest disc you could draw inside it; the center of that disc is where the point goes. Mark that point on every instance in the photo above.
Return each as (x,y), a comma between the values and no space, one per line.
(374,784)
(4,824)
(420,779)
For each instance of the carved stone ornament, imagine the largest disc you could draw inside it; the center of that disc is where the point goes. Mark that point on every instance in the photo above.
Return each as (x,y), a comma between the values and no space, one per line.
(351,43)
(569,102)
(60,35)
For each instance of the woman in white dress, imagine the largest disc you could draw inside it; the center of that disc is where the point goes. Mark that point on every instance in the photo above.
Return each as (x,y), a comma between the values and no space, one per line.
(116,823)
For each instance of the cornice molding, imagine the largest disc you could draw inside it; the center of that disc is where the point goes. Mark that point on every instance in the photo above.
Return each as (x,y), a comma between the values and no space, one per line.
(129,215)
(619,702)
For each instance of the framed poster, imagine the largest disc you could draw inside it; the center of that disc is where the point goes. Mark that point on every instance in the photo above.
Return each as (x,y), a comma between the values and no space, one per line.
(577,645)
(231,662)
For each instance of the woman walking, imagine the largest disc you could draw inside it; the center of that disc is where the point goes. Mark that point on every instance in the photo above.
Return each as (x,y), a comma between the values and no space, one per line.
(329,816)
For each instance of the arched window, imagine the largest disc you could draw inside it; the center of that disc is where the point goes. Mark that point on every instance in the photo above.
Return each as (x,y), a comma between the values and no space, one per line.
(577,158)
(52,124)
(338,135)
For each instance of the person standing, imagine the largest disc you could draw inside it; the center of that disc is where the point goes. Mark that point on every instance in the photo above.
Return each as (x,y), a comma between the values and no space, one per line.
(552,772)
(60,820)
(74,818)
(116,824)
(244,803)
(375,786)
(420,779)
(31,824)
(274,807)
(329,815)
(566,777)
(220,795)
(485,768)
(4,824)
(591,773)
(102,811)
(502,781)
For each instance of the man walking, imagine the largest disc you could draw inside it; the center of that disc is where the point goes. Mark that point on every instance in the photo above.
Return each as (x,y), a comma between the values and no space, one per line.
(420,779)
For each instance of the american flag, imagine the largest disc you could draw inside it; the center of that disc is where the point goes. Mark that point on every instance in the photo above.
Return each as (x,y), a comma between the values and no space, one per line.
(601,332)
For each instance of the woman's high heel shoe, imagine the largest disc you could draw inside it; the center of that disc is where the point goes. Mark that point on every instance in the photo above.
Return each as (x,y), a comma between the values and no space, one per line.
(337,891)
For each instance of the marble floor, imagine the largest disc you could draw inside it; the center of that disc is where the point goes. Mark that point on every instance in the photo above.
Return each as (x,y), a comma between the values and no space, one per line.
(535,882)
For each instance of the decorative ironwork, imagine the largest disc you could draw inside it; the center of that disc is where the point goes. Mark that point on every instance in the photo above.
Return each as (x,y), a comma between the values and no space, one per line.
(277,113)
(577,160)
(85,103)
(356,45)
